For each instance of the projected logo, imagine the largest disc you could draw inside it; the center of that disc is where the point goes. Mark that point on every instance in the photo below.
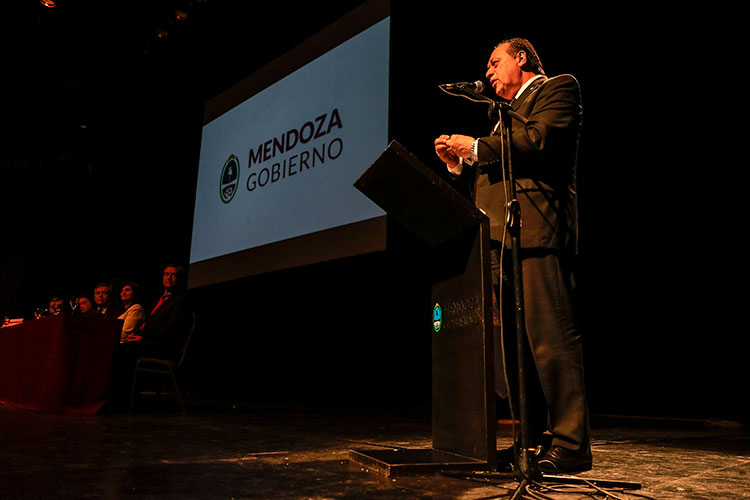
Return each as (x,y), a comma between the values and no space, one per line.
(230,179)
(437,317)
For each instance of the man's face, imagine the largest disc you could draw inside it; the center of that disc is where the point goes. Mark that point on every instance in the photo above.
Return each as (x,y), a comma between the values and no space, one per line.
(101,296)
(84,304)
(170,278)
(504,71)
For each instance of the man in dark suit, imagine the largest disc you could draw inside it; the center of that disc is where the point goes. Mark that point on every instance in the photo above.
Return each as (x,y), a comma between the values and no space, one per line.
(86,305)
(166,328)
(544,145)
(102,299)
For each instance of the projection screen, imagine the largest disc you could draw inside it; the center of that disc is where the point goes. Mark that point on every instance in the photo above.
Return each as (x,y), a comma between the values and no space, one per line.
(281,149)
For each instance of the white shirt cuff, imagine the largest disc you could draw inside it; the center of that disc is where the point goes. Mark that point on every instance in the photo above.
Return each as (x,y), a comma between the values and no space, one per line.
(458,168)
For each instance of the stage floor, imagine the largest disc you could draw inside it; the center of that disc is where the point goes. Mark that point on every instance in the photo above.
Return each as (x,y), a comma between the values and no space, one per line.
(273,451)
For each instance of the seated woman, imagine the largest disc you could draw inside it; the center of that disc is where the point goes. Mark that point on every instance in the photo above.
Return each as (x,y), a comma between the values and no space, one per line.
(133,315)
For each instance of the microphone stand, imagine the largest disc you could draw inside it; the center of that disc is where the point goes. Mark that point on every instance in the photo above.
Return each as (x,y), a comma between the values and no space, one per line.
(527,469)
(527,461)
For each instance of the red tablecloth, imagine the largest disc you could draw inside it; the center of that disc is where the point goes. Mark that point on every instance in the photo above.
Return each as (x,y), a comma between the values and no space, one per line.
(58,364)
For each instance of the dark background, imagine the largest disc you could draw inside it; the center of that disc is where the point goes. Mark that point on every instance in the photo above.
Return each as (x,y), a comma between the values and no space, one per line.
(99,153)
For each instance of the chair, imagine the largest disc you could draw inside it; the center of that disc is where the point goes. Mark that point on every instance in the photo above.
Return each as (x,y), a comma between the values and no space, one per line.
(162,367)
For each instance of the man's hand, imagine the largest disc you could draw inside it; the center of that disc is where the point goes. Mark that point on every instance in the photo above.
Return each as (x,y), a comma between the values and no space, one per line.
(443,151)
(460,145)
(450,148)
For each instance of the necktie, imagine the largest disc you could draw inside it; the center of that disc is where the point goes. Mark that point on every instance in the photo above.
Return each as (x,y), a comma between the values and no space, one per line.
(161,301)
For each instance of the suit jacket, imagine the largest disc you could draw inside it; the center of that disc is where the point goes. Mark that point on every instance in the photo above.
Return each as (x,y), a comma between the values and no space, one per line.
(168,326)
(544,150)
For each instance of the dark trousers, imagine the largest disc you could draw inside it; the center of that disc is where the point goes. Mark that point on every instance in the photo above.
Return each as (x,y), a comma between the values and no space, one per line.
(556,396)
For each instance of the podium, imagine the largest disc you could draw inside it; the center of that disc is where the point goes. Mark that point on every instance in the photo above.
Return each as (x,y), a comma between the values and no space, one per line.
(463,388)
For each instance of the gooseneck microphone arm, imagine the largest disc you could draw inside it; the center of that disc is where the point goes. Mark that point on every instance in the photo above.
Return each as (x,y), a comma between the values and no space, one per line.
(477,86)
(468,90)
(473,92)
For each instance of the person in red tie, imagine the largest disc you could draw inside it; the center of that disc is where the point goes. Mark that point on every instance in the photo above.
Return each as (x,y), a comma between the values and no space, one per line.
(169,322)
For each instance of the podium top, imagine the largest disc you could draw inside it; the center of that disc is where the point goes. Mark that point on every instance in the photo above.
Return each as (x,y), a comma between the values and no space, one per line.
(417,197)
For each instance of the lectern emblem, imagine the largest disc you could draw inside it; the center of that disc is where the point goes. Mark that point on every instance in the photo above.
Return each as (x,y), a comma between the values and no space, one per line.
(230,179)
(437,317)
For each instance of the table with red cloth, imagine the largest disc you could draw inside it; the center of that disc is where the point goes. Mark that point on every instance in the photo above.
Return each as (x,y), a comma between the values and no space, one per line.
(58,364)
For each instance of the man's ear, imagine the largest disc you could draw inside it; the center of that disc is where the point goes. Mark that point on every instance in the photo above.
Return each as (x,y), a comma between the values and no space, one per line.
(521,58)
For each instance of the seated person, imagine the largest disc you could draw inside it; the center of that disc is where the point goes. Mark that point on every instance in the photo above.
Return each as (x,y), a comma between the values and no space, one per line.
(86,305)
(133,314)
(103,301)
(56,306)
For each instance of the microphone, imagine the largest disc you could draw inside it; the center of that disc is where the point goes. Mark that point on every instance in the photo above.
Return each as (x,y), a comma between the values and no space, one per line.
(477,86)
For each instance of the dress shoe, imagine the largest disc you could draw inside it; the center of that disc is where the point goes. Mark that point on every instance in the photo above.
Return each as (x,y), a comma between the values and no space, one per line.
(559,460)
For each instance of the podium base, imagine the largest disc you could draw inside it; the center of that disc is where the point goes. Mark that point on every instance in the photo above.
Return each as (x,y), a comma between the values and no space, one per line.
(395,462)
